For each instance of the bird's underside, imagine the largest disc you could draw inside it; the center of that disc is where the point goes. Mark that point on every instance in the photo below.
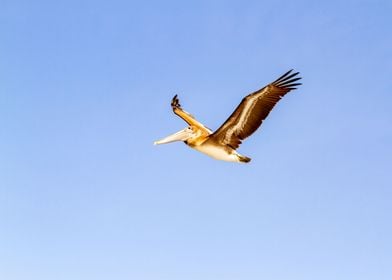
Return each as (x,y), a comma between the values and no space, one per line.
(243,122)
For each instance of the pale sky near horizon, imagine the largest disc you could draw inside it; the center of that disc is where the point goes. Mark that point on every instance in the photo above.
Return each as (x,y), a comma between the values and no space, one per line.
(85,89)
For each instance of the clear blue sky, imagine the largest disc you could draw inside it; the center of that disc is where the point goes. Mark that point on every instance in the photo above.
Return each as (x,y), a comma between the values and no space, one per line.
(85,89)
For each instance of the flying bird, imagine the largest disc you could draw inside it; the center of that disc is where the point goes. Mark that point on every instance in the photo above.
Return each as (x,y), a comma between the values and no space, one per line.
(246,119)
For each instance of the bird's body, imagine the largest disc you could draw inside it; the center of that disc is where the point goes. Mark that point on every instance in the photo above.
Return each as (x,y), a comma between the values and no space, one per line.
(222,153)
(219,152)
(245,119)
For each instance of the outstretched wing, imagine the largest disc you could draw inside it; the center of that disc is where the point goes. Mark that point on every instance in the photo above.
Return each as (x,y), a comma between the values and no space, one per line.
(253,109)
(187,117)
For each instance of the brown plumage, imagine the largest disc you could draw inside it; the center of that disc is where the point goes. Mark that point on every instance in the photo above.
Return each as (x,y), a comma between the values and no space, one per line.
(253,109)
(245,120)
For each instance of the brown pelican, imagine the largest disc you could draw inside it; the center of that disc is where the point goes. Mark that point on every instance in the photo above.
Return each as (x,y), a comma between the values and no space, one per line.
(245,119)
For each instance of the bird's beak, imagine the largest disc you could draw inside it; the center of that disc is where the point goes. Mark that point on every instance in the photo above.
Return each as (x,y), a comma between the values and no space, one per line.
(182,135)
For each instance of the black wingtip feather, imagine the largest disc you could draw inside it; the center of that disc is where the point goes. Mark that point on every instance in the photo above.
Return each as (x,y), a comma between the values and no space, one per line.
(283,76)
(175,102)
(287,80)
(296,84)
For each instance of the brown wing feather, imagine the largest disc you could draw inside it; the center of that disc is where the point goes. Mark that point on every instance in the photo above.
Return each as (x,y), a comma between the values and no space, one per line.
(187,117)
(177,109)
(252,110)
